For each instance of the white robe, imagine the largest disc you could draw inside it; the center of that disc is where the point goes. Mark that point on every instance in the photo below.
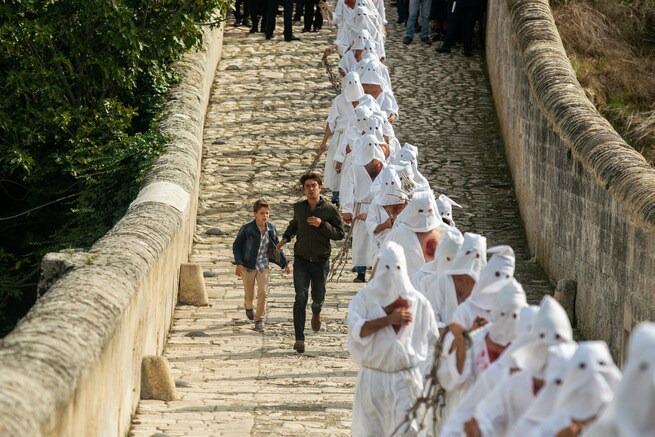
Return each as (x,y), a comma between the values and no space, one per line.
(466,313)
(357,178)
(457,385)
(501,409)
(388,381)
(409,241)
(376,216)
(388,103)
(442,296)
(338,119)
(484,384)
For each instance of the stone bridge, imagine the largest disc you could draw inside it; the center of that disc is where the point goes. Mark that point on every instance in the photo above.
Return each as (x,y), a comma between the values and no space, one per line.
(585,202)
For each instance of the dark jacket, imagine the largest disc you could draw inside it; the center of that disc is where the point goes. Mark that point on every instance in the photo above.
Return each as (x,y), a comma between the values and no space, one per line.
(246,245)
(312,243)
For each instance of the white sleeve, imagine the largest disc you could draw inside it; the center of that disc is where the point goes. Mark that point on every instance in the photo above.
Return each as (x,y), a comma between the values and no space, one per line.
(347,191)
(449,377)
(356,319)
(493,410)
(333,116)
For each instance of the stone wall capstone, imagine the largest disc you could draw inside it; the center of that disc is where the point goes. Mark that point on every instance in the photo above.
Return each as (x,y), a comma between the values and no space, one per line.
(586,197)
(72,366)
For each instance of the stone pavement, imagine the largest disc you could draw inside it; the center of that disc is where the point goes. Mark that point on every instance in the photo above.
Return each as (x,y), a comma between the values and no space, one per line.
(267,112)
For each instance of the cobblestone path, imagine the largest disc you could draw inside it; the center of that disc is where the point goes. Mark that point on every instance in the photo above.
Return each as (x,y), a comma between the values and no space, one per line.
(269,102)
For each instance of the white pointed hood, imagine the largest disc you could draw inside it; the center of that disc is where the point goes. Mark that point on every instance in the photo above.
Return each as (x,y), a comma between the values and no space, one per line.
(526,318)
(352,87)
(589,384)
(450,242)
(387,188)
(631,411)
(500,267)
(558,360)
(375,123)
(391,280)
(359,38)
(471,258)
(420,215)
(370,103)
(372,73)
(366,150)
(362,114)
(445,207)
(551,327)
(505,313)
(409,154)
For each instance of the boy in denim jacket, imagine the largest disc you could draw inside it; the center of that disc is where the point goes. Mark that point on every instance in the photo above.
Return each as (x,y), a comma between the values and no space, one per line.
(250,250)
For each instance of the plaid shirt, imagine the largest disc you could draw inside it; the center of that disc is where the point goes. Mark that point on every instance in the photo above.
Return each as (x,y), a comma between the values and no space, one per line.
(262,254)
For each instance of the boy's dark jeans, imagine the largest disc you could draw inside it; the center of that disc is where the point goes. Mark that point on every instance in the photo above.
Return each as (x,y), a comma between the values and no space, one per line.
(306,273)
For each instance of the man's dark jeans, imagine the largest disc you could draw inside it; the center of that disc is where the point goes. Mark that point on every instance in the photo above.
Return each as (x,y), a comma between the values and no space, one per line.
(306,273)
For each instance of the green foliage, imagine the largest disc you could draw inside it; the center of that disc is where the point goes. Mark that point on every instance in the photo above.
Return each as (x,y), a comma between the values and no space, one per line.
(83,83)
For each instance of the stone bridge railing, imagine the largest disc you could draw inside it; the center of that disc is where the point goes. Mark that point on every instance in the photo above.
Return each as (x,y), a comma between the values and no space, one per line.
(587,199)
(72,366)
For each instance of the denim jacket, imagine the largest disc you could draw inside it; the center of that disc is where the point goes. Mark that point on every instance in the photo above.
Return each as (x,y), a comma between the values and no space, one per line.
(246,244)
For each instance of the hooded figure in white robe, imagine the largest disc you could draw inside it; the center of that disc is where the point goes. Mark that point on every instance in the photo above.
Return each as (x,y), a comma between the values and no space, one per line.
(495,374)
(409,154)
(388,381)
(350,58)
(372,52)
(498,412)
(445,206)
(365,19)
(501,409)
(481,301)
(631,412)
(450,242)
(375,84)
(341,115)
(588,387)
(389,198)
(458,378)
(342,17)
(368,161)
(442,294)
(559,357)
(551,326)
(352,134)
(416,222)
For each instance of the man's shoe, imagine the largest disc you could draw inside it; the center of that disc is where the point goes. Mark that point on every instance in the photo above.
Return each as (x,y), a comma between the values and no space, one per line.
(269,36)
(291,38)
(360,279)
(426,40)
(299,346)
(304,30)
(237,23)
(316,322)
(246,23)
(436,37)
(250,313)
(407,40)
(443,49)
(400,20)
(259,325)
(253,30)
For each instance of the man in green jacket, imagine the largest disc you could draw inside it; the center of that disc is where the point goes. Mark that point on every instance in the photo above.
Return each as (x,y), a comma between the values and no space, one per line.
(315,222)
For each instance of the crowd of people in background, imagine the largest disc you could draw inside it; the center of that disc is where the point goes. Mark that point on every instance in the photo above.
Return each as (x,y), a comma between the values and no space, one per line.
(441,330)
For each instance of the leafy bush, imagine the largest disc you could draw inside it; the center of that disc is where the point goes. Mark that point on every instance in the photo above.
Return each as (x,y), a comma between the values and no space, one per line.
(83,83)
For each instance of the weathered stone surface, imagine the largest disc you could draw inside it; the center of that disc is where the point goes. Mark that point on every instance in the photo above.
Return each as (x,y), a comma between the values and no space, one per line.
(192,285)
(54,265)
(156,379)
(587,199)
(565,294)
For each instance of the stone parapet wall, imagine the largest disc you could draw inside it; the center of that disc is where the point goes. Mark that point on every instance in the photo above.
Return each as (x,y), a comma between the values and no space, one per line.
(587,199)
(72,366)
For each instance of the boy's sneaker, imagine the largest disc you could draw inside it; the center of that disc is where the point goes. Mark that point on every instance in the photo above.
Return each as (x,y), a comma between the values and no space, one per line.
(426,40)
(407,40)
(360,278)
(259,325)
(250,313)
